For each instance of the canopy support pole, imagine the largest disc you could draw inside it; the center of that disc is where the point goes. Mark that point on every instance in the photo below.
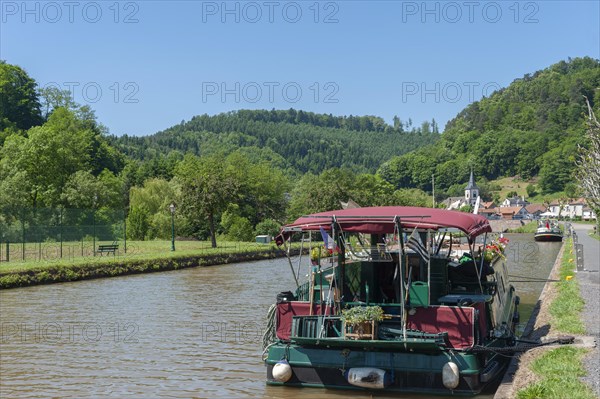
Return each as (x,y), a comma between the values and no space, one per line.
(401,258)
(291,266)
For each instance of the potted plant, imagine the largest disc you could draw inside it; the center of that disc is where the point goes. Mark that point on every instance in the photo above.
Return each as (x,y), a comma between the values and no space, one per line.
(494,249)
(318,253)
(360,322)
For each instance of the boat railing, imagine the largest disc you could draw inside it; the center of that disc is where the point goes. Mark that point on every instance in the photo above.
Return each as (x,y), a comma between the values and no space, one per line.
(373,253)
(451,326)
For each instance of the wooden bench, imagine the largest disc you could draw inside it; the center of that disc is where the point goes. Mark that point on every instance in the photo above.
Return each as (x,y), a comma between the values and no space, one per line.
(106,249)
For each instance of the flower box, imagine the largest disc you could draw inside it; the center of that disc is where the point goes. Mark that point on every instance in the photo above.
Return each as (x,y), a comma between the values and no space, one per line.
(363,330)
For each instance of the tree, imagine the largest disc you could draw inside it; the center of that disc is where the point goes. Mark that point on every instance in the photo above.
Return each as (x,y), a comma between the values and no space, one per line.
(262,187)
(138,224)
(267,227)
(411,197)
(237,228)
(84,190)
(53,97)
(207,188)
(372,190)
(48,156)
(19,103)
(588,164)
(321,193)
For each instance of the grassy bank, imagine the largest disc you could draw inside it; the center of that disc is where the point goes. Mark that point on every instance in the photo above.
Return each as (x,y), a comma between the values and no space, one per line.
(49,254)
(530,227)
(558,370)
(149,257)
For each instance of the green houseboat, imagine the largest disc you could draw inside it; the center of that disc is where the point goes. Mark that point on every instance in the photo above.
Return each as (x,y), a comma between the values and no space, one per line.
(398,299)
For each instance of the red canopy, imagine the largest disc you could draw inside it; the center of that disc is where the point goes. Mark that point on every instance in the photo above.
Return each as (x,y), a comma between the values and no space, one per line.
(381,220)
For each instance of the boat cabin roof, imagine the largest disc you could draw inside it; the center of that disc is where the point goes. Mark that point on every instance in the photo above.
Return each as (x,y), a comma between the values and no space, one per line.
(382,220)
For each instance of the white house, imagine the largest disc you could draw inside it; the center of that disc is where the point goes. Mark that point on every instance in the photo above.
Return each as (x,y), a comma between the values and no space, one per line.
(514,201)
(574,208)
(588,214)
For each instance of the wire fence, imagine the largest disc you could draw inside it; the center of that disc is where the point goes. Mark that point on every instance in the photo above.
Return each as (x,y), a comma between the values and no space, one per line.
(57,233)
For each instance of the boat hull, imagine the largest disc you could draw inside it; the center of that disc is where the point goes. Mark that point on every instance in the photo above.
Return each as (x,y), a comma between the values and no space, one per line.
(409,371)
(548,237)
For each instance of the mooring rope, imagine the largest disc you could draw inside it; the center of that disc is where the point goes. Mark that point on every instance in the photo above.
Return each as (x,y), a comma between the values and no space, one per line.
(523,347)
(270,334)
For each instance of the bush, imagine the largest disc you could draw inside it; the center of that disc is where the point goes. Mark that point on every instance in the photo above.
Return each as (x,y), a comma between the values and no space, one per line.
(138,224)
(267,227)
(240,230)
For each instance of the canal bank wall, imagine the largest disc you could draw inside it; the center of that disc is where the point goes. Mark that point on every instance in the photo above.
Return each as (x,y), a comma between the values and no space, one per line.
(513,380)
(102,269)
(502,226)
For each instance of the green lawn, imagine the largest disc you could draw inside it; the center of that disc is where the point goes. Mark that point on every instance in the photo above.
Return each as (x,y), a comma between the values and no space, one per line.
(530,227)
(48,254)
(509,184)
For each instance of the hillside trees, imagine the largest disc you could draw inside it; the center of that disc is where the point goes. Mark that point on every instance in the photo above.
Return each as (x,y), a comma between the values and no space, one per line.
(531,127)
(326,192)
(19,102)
(38,168)
(312,143)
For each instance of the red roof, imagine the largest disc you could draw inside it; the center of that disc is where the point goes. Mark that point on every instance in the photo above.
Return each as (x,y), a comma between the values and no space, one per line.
(532,208)
(380,220)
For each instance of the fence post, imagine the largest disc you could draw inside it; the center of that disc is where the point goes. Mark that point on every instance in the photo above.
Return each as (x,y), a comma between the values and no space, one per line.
(125,231)
(579,253)
(94,232)
(60,217)
(7,251)
(23,239)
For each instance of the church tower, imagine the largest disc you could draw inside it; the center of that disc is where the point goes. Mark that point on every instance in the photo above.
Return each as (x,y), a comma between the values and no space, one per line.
(471,191)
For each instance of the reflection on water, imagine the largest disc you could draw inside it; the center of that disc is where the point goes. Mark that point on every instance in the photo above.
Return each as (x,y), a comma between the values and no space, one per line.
(529,260)
(187,333)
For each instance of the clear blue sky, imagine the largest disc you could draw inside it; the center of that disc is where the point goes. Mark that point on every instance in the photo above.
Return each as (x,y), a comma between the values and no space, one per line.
(146,65)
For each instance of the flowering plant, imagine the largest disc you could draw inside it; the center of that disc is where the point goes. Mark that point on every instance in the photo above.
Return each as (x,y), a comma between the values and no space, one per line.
(495,248)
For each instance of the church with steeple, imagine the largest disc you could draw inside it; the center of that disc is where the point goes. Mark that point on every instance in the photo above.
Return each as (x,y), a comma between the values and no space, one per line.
(471,191)
(470,198)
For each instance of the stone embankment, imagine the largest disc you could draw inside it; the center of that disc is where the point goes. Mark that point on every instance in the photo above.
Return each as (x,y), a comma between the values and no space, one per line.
(501,226)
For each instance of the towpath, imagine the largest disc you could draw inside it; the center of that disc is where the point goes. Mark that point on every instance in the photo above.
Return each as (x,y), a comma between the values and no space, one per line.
(589,281)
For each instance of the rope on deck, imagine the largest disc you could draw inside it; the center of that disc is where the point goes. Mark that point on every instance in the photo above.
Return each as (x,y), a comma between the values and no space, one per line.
(270,334)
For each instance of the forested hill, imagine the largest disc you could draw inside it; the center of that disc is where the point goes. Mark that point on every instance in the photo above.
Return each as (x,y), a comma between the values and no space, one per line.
(530,128)
(302,141)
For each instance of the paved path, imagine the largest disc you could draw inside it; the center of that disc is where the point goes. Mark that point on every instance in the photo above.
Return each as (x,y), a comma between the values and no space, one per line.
(589,281)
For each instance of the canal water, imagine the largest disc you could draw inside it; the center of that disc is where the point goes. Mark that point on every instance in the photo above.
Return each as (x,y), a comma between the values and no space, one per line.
(187,333)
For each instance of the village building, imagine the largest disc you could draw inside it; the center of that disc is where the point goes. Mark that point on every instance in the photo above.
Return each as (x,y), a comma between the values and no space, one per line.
(572,209)
(470,198)
(513,212)
(535,210)
(514,201)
